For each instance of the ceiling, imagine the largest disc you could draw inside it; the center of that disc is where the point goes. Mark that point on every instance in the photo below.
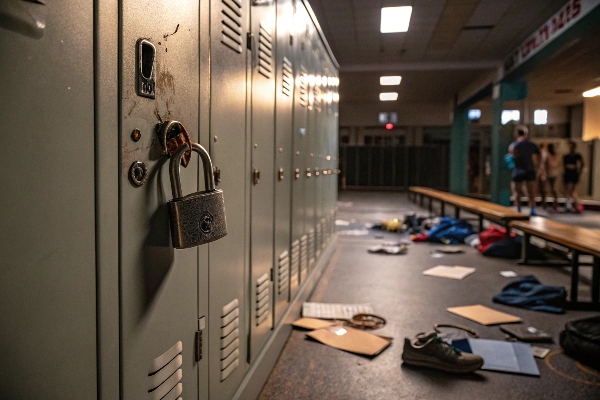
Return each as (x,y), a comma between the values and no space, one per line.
(449,44)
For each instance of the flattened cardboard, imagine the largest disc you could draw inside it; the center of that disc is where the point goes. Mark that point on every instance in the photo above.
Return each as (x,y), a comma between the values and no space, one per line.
(445,271)
(312,323)
(352,340)
(484,315)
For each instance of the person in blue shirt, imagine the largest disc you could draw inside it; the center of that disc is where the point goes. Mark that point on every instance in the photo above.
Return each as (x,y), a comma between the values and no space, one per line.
(524,173)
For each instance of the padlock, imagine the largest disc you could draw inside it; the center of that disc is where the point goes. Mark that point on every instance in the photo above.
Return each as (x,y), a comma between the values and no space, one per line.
(196,218)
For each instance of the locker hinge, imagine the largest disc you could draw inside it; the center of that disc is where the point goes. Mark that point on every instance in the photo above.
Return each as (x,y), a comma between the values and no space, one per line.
(291,40)
(198,346)
(272,277)
(249,41)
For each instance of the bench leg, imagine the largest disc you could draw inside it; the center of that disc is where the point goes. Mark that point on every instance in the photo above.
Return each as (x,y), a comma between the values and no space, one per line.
(480,223)
(596,280)
(525,248)
(430,205)
(443,208)
(574,275)
(456,212)
(421,200)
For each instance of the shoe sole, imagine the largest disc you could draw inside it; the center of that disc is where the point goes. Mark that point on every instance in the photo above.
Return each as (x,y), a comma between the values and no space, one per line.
(442,367)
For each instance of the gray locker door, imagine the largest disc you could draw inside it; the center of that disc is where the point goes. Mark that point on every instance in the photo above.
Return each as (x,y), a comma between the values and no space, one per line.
(48,272)
(312,133)
(159,306)
(284,100)
(228,266)
(262,108)
(299,146)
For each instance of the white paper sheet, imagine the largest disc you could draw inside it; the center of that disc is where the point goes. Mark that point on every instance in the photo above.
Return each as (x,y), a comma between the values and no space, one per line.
(445,271)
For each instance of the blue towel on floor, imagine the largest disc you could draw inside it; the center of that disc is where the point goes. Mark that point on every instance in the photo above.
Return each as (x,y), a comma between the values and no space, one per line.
(528,292)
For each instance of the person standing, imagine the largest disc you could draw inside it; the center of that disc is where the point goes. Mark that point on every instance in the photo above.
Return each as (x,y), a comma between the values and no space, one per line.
(573,164)
(523,174)
(541,177)
(549,172)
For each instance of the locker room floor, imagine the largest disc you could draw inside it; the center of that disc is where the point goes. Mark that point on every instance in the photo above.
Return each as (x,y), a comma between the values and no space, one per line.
(412,303)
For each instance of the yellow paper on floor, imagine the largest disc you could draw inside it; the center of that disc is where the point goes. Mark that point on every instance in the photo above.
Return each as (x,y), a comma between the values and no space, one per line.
(445,271)
(484,315)
(352,340)
(312,323)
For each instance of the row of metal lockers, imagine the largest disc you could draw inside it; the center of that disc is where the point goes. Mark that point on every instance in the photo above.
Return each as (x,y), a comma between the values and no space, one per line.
(95,300)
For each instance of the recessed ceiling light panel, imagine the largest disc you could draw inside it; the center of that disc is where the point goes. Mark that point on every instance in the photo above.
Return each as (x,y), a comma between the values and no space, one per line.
(395,19)
(390,80)
(389,96)
(592,92)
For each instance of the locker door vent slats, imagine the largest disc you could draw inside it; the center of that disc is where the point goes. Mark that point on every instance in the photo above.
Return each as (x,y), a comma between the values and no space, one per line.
(230,341)
(165,373)
(265,53)
(262,299)
(295,262)
(303,89)
(303,254)
(311,246)
(317,97)
(283,272)
(231,34)
(288,77)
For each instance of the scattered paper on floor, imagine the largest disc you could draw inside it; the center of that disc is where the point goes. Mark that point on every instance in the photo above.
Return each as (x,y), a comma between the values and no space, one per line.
(341,222)
(508,274)
(354,232)
(334,311)
(445,271)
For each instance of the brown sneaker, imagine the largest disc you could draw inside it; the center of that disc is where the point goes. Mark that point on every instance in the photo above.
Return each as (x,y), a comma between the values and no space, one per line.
(428,350)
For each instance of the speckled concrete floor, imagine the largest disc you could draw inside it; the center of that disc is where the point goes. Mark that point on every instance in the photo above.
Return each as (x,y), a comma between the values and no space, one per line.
(412,303)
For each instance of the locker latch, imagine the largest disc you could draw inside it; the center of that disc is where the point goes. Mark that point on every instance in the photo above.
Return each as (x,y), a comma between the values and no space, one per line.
(249,38)
(308,173)
(198,339)
(217,175)
(280,174)
(256,176)
(297,173)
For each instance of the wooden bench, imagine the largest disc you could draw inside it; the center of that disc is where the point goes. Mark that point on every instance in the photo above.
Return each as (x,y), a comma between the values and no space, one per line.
(579,241)
(485,210)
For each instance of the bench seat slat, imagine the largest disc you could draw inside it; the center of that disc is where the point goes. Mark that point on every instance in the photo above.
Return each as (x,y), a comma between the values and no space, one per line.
(574,237)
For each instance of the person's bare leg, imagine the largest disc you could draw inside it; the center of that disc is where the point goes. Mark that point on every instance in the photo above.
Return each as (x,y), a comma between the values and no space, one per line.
(569,188)
(514,188)
(531,194)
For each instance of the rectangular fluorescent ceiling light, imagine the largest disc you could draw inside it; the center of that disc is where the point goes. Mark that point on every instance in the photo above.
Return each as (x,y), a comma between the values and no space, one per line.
(389,80)
(474,114)
(592,93)
(389,96)
(540,117)
(395,19)
(510,115)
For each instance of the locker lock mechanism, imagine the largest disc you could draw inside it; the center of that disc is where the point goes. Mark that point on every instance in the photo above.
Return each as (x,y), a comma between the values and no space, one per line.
(297,173)
(280,174)
(146,68)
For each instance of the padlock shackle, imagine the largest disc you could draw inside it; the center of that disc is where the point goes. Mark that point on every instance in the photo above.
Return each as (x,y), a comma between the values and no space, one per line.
(174,168)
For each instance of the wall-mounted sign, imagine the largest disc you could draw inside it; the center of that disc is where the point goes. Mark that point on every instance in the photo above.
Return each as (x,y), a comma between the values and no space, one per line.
(566,17)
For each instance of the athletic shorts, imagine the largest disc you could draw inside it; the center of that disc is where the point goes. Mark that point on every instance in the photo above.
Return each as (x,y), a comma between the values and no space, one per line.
(522,176)
(571,177)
